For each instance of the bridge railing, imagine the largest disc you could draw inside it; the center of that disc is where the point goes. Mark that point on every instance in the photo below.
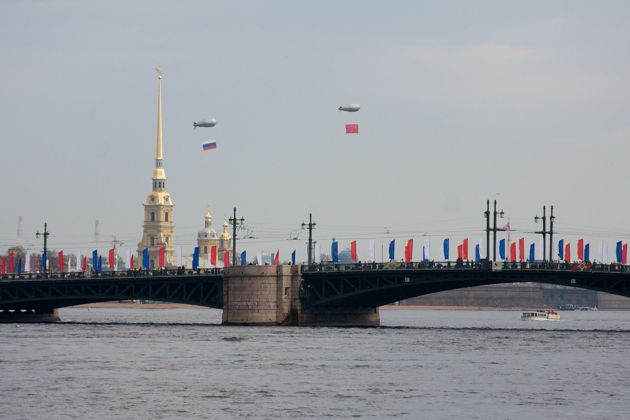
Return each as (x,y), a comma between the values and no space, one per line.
(468,265)
(80,275)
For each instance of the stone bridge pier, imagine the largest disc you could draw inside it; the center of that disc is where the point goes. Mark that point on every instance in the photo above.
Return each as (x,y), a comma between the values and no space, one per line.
(270,295)
(29,314)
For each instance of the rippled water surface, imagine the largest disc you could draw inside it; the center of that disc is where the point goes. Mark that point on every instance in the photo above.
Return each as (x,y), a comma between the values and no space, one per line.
(179,363)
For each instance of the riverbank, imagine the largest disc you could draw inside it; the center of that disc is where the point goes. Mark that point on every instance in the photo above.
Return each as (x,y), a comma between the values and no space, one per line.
(133,305)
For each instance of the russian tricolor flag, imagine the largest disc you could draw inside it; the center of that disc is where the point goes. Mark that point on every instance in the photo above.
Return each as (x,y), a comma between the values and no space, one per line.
(210,144)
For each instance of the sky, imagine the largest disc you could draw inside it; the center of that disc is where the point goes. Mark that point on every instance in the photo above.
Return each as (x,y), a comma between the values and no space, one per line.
(525,103)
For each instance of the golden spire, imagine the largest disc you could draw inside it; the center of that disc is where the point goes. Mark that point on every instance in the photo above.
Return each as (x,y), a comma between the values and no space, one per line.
(158,149)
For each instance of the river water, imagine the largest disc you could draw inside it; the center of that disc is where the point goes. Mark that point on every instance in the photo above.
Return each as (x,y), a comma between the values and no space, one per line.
(180,364)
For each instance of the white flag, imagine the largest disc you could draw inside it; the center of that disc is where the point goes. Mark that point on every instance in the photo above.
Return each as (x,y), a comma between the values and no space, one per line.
(318,255)
(372,255)
(128,259)
(179,256)
(27,263)
(259,258)
(604,253)
(538,251)
(78,263)
(426,250)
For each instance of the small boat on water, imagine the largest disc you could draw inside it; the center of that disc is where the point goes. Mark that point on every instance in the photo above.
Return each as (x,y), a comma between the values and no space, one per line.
(540,315)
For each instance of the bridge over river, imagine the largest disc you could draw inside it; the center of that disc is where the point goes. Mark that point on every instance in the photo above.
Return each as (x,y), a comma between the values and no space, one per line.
(290,295)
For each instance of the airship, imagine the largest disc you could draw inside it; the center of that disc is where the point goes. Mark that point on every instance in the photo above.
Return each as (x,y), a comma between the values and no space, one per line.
(208,122)
(350,108)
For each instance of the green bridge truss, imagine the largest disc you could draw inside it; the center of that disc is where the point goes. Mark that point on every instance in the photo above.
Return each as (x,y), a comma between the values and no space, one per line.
(194,289)
(354,287)
(373,288)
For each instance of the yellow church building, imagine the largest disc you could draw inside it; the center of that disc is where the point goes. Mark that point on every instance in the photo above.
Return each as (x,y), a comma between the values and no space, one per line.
(158,227)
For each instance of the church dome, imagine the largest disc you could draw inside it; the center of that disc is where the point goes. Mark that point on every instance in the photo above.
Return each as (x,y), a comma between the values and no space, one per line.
(225,235)
(207,232)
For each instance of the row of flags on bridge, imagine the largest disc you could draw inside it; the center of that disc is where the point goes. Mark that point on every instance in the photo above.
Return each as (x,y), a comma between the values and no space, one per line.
(514,251)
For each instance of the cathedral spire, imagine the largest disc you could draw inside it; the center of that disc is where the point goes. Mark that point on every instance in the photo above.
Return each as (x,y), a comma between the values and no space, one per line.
(158,148)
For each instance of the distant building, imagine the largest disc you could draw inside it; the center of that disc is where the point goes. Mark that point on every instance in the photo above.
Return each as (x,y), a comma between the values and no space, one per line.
(208,237)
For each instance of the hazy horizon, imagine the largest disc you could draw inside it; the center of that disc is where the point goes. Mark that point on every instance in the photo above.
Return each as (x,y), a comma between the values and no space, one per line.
(523,103)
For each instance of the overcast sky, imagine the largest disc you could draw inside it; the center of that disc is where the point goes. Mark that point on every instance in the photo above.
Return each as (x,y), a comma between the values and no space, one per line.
(523,102)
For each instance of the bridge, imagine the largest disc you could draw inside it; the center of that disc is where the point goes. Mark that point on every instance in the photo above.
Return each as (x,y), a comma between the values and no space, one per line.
(293,295)
(33,297)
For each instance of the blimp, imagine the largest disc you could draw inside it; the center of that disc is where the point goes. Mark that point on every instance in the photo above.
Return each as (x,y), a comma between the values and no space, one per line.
(208,122)
(350,108)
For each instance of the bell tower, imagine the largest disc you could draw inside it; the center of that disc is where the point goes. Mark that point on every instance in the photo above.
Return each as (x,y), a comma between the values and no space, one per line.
(158,227)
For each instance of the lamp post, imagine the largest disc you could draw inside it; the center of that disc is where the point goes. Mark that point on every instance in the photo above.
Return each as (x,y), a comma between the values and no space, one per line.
(234,221)
(487,216)
(45,255)
(551,220)
(492,229)
(543,232)
(311,225)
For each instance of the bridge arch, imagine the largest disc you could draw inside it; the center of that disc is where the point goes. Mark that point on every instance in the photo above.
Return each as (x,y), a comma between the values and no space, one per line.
(194,289)
(373,288)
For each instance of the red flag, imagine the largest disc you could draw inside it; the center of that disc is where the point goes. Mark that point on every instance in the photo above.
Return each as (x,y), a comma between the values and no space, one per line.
(213,255)
(276,258)
(580,250)
(11,262)
(60,261)
(226,259)
(460,254)
(112,258)
(352,128)
(567,253)
(624,254)
(4,266)
(513,251)
(353,250)
(407,253)
(161,257)
(84,264)
(521,249)
(131,263)
(465,249)
(409,250)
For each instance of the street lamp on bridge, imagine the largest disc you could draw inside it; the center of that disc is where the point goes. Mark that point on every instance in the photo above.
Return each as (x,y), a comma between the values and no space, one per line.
(311,225)
(544,232)
(492,229)
(45,254)
(234,221)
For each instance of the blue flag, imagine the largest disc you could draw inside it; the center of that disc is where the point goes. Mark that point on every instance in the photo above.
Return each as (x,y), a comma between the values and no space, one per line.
(561,249)
(477,253)
(244,258)
(587,251)
(100,263)
(195,261)
(619,257)
(145,259)
(95,260)
(446,247)
(502,249)
(532,253)
(392,244)
(334,250)
(45,257)
(293,257)
(19,268)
